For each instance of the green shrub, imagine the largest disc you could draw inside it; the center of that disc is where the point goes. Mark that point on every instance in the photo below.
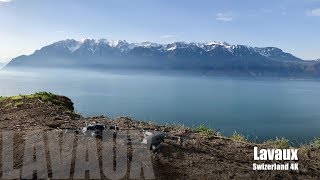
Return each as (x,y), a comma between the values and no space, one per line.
(205,130)
(315,143)
(280,143)
(238,137)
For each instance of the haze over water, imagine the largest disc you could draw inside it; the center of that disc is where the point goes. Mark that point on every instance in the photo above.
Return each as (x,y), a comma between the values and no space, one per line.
(259,108)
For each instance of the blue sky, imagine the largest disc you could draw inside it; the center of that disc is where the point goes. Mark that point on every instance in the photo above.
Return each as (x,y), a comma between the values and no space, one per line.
(292,25)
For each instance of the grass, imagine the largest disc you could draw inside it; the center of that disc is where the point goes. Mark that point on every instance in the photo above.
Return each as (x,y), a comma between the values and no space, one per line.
(2,98)
(39,95)
(279,143)
(315,143)
(205,130)
(14,104)
(238,137)
(42,96)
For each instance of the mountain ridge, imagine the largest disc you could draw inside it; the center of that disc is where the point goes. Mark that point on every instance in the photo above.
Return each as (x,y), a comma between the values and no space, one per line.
(74,45)
(209,58)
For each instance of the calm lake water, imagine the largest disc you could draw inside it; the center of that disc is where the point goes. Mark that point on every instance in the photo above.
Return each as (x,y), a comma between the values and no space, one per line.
(261,109)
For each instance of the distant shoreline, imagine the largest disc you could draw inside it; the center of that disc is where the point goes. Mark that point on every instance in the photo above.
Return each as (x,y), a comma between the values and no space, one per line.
(185,73)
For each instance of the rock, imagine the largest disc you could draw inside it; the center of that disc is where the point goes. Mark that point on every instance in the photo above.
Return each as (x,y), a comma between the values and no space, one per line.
(57,118)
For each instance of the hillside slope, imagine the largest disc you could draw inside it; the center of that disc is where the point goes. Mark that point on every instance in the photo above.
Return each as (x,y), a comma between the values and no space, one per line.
(201,156)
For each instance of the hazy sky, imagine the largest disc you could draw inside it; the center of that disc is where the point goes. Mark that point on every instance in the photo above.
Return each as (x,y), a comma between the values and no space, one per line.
(293,25)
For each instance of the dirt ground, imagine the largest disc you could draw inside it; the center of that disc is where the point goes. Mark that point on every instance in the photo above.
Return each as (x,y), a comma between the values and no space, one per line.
(199,156)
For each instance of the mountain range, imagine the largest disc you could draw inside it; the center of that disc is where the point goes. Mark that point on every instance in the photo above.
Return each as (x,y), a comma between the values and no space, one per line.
(207,58)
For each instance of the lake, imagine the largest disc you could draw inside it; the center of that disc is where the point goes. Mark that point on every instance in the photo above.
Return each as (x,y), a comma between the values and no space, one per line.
(259,108)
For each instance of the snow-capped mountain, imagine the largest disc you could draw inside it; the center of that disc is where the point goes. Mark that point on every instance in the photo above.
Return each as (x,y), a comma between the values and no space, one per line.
(98,47)
(276,54)
(213,57)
